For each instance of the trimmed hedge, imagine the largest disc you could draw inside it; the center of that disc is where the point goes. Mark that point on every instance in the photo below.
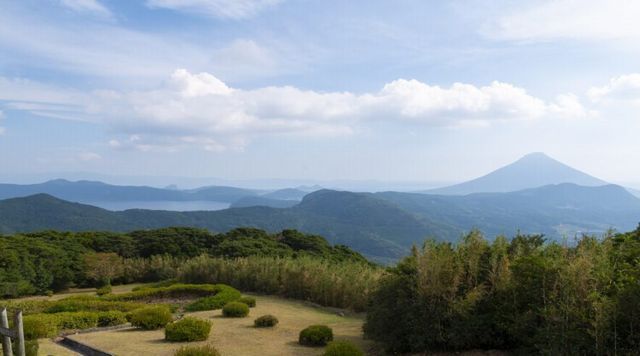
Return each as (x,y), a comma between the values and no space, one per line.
(224,295)
(316,335)
(38,326)
(235,310)
(173,291)
(111,318)
(342,348)
(90,303)
(206,350)
(31,347)
(266,321)
(151,318)
(104,290)
(250,301)
(76,320)
(188,329)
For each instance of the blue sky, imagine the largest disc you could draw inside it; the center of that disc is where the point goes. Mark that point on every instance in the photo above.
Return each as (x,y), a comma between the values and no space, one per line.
(421,91)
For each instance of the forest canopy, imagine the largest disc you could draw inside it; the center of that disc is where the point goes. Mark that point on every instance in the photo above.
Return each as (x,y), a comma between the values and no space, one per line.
(49,261)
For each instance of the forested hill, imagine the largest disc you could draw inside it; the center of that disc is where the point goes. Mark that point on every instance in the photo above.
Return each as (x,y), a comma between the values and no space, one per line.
(380,225)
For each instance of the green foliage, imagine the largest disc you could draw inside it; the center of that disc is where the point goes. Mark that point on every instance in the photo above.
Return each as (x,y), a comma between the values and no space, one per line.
(86,303)
(104,290)
(265,321)
(206,350)
(342,348)
(525,295)
(316,335)
(39,326)
(111,318)
(223,295)
(31,347)
(76,320)
(235,310)
(151,318)
(250,301)
(39,263)
(172,291)
(187,329)
(335,284)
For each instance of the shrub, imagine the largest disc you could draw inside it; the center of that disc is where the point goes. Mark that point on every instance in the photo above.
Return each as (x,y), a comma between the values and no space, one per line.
(188,329)
(175,291)
(111,318)
(76,320)
(31,347)
(342,348)
(39,326)
(316,335)
(89,303)
(250,301)
(224,294)
(206,350)
(235,310)
(266,321)
(151,318)
(104,290)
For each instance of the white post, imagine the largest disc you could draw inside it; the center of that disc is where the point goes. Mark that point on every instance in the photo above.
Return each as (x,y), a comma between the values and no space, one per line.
(17,321)
(6,340)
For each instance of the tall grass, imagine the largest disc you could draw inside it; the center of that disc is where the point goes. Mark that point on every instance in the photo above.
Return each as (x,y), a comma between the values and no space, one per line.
(335,284)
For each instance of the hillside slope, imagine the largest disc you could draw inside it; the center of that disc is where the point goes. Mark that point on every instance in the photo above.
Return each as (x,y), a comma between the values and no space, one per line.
(380,225)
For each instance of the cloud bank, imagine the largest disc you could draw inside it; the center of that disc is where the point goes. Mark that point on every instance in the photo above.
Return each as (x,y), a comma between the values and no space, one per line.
(198,109)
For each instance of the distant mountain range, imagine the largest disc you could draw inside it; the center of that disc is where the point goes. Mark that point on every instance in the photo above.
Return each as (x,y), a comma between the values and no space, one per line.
(531,171)
(380,225)
(536,194)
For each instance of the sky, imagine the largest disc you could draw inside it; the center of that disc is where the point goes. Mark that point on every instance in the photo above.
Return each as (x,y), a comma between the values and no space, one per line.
(390,91)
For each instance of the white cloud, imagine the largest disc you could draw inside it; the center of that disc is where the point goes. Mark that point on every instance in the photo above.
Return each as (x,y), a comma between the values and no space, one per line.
(2,129)
(89,156)
(201,110)
(91,6)
(546,20)
(623,88)
(233,9)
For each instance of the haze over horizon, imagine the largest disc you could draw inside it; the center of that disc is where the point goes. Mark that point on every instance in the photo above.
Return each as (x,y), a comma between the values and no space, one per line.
(309,91)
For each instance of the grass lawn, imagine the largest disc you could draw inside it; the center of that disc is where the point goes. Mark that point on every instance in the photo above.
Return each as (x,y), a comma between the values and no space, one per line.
(48,347)
(82,291)
(237,336)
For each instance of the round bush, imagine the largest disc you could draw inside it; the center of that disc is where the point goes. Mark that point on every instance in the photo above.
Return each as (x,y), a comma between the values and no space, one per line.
(342,348)
(316,335)
(111,318)
(151,318)
(39,326)
(266,321)
(235,310)
(104,290)
(31,347)
(76,320)
(187,329)
(206,350)
(250,301)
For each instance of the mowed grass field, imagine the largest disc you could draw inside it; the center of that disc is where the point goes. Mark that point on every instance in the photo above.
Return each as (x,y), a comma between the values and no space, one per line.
(238,336)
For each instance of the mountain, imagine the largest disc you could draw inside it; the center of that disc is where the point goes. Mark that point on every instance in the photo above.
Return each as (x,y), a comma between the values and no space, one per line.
(287,194)
(557,211)
(262,201)
(90,191)
(531,171)
(382,226)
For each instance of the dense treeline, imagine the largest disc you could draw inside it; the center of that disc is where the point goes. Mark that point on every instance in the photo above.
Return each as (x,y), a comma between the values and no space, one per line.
(344,284)
(37,263)
(523,294)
